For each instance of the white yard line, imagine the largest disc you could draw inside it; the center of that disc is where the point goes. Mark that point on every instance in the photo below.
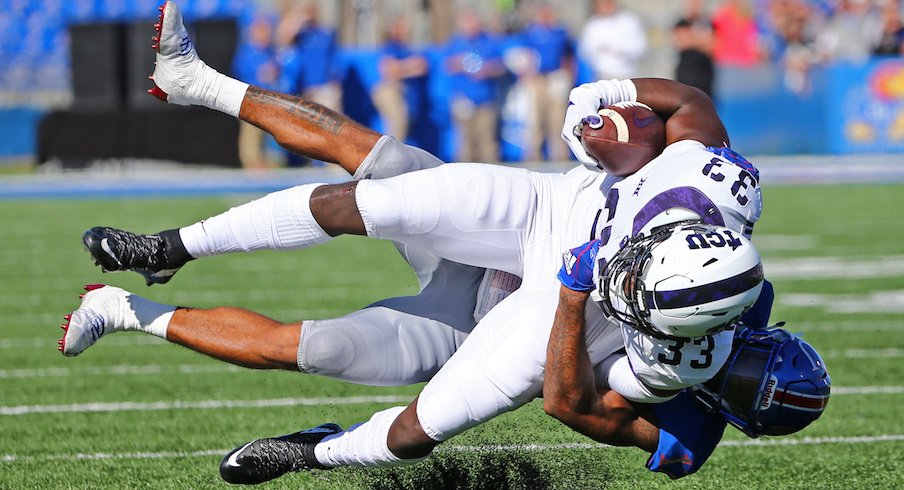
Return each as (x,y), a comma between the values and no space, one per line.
(44,343)
(117,370)
(822,268)
(805,441)
(871,302)
(293,402)
(191,369)
(198,404)
(890,352)
(867,390)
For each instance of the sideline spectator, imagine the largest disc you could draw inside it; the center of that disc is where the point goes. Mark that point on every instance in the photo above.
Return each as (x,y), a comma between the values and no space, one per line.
(794,22)
(736,40)
(695,65)
(309,54)
(255,63)
(551,81)
(692,36)
(851,33)
(612,41)
(398,64)
(473,60)
(891,41)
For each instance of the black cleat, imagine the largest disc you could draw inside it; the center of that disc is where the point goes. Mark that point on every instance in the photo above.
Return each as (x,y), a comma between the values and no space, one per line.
(265,459)
(156,257)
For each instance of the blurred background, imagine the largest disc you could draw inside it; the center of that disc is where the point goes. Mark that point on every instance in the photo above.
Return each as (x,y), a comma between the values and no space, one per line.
(466,80)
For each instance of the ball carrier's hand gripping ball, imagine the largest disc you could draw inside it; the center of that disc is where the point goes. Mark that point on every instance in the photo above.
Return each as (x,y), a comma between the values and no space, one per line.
(622,137)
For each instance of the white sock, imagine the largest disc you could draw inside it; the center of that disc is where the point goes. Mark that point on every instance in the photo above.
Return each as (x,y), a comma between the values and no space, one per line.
(362,444)
(147,316)
(219,92)
(279,221)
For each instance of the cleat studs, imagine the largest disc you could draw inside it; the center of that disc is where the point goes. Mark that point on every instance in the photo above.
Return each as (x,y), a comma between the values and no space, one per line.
(92,287)
(67,317)
(156,92)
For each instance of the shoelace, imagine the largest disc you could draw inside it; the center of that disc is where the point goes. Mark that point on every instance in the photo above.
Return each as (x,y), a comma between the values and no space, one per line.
(277,457)
(137,251)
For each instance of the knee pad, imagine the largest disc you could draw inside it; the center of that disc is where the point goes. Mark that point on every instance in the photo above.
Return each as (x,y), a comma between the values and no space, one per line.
(329,348)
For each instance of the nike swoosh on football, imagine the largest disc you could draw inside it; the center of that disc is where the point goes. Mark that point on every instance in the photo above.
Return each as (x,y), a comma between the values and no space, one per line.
(640,123)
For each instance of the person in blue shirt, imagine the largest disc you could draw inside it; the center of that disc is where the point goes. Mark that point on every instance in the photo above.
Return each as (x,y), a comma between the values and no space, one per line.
(255,61)
(398,65)
(553,49)
(474,64)
(308,52)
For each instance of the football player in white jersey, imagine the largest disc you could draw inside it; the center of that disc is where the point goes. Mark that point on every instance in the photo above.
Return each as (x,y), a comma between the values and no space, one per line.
(508,219)
(697,178)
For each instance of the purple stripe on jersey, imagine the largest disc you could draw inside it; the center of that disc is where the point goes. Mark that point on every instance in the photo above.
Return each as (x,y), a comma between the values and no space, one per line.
(726,288)
(680,197)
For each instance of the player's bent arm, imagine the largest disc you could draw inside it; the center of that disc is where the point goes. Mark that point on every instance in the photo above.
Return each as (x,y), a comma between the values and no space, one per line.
(568,386)
(688,112)
(622,379)
(570,393)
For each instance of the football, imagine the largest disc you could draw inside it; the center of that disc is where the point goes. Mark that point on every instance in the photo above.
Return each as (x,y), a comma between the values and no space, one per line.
(623,137)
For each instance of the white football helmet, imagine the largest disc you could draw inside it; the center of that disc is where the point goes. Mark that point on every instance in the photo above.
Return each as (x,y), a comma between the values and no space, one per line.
(683,280)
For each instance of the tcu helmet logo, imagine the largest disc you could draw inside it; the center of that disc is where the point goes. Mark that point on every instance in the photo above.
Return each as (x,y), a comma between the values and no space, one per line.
(711,239)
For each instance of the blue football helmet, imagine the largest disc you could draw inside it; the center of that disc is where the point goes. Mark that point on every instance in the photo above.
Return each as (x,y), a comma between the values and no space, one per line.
(774,383)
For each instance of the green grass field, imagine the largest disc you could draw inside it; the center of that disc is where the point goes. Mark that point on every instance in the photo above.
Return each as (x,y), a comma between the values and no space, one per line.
(835,255)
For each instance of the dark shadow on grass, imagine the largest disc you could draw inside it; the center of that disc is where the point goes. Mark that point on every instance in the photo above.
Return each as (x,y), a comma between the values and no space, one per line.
(490,470)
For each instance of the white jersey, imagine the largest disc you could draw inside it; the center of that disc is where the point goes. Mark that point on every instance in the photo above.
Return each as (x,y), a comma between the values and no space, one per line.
(687,181)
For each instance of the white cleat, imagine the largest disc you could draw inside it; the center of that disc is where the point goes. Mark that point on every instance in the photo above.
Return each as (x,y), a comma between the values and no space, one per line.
(104,310)
(178,68)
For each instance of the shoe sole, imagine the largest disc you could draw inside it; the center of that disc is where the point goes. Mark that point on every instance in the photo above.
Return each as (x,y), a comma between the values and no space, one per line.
(158,27)
(68,317)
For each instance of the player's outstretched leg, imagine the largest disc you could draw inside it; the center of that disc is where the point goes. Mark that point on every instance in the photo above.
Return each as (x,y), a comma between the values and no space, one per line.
(301,126)
(368,444)
(156,257)
(291,219)
(107,309)
(265,459)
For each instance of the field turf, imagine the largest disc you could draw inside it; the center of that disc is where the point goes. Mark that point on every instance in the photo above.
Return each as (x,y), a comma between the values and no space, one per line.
(134,412)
